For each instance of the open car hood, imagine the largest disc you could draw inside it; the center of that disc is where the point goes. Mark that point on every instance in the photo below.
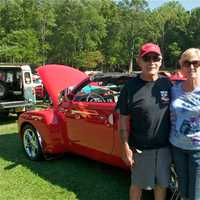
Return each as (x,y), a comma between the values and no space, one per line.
(58,77)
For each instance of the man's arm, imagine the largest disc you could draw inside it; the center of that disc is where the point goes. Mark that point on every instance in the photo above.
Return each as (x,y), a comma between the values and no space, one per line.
(127,153)
(123,128)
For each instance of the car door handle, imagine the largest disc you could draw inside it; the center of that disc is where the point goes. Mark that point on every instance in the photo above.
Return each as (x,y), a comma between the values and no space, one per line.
(102,117)
(77,116)
(63,110)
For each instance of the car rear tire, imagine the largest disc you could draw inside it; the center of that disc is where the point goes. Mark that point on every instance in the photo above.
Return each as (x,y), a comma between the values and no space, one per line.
(3,90)
(32,143)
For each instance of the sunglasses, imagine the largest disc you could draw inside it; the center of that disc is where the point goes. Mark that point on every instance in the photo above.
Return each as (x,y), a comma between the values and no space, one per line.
(154,58)
(195,63)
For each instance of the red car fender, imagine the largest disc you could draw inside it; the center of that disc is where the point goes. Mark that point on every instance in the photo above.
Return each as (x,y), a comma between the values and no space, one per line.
(51,128)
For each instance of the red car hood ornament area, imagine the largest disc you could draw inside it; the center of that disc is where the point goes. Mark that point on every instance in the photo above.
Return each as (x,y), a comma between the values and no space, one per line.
(58,77)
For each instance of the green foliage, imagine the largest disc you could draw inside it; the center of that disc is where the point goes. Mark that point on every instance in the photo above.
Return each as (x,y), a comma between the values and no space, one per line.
(25,27)
(88,60)
(102,34)
(112,43)
(21,46)
(194,28)
(81,32)
(174,53)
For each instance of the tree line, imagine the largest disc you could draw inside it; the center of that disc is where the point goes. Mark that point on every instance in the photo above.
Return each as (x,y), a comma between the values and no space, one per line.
(94,34)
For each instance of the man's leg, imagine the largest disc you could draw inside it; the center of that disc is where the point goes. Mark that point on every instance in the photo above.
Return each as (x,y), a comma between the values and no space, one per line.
(135,192)
(160,193)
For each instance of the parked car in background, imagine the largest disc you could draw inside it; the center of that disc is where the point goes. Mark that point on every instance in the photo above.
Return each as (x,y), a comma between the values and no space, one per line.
(39,88)
(164,73)
(39,92)
(177,76)
(36,80)
(16,88)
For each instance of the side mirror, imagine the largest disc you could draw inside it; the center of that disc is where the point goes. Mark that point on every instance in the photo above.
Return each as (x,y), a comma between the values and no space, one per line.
(69,97)
(67,94)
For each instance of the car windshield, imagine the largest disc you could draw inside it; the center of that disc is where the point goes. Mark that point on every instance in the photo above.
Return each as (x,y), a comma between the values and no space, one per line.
(37,81)
(102,89)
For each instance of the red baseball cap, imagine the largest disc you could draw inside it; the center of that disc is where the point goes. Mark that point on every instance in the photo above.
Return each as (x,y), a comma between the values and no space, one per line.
(149,47)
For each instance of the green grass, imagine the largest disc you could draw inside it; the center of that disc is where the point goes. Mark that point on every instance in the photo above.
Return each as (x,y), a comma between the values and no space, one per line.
(68,178)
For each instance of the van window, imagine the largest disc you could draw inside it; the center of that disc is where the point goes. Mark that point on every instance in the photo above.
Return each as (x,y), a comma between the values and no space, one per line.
(27,77)
(9,78)
(2,76)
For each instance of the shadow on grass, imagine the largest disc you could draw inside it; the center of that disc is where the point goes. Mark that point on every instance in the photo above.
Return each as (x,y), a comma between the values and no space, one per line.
(88,179)
(7,119)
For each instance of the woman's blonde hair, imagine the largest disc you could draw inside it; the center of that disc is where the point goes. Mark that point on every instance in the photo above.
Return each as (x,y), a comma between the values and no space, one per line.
(189,54)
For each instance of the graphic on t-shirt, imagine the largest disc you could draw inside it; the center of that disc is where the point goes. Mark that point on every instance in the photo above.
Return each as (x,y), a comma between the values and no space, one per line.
(185,112)
(190,127)
(190,123)
(191,102)
(164,96)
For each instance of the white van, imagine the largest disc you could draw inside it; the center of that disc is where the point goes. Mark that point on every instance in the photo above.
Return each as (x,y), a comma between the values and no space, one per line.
(16,88)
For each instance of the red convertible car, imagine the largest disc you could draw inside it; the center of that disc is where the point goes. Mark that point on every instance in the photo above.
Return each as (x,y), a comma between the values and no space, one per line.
(81,120)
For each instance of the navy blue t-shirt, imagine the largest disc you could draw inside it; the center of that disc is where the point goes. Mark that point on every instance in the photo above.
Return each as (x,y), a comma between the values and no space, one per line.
(147,103)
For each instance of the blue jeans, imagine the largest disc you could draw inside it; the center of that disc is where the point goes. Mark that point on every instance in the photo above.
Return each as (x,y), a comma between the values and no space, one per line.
(187,164)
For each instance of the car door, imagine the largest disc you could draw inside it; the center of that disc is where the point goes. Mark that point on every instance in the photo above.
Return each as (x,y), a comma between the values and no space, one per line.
(90,124)
(29,94)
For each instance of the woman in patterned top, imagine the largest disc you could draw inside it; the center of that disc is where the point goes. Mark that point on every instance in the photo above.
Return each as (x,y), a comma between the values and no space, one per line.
(185,129)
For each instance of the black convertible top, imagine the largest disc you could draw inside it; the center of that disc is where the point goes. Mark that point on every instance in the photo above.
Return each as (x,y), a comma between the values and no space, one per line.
(111,77)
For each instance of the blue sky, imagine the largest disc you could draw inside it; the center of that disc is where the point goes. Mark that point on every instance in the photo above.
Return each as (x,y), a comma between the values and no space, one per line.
(187,4)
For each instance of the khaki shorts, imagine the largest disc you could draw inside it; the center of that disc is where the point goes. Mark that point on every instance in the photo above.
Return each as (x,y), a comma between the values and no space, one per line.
(152,167)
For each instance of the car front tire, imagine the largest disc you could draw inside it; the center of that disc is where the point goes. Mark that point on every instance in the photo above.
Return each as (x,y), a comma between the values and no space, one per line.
(32,143)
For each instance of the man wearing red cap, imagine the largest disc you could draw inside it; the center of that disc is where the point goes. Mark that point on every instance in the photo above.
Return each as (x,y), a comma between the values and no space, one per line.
(145,125)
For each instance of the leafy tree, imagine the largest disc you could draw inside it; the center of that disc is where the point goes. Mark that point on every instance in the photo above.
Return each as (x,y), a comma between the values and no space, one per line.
(11,15)
(112,43)
(21,46)
(34,19)
(194,29)
(39,15)
(133,13)
(81,32)
(104,34)
(174,53)
(89,59)
(171,21)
